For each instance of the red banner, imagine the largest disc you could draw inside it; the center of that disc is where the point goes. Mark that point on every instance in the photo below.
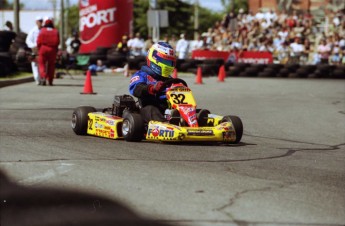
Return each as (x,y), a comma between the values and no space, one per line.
(103,23)
(240,57)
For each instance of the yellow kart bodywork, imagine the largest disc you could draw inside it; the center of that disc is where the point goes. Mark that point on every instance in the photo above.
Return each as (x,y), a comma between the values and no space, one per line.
(104,125)
(160,131)
(110,126)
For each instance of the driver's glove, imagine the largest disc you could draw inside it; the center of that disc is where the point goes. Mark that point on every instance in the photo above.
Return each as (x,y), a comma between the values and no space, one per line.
(156,88)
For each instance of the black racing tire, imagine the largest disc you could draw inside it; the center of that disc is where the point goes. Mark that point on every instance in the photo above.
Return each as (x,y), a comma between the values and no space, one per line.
(269,72)
(193,62)
(284,72)
(241,66)
(238,126)
(309,68)
(233,72)
(209,69)
(252,71)
(202,117)
(185,66)
(265,74)
(192,70)
(303,72)
(116,60)
(292,67)
(293,75)
(178,64)
(80,119)
(133,63)
(276,67)
(320,74)
(133,127)
(338,73)
(258,67)
(243,74)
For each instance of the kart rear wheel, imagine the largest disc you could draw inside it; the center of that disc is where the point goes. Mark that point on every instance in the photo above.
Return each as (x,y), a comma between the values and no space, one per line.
(132,127)
(238,126)
(80,119)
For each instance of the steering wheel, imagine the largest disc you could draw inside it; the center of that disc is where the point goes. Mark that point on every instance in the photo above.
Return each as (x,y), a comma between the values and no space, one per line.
(171,81)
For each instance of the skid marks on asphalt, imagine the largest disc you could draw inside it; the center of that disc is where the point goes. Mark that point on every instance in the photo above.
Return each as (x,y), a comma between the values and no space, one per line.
(61,169)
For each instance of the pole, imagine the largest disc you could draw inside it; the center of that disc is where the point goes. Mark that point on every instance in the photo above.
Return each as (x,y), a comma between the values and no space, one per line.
(53,2)
(66,19)
(62,25)
(16,16)
(153,6)
(196,18)
(158,24)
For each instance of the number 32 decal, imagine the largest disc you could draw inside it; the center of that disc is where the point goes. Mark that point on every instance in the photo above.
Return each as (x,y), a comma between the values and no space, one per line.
(178,98)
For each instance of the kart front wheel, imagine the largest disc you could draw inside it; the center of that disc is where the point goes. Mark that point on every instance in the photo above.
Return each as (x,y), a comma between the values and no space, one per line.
(132,127)
(80,119)
(237,124)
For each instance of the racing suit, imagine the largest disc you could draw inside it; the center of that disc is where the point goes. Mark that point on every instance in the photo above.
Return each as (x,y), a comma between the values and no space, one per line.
(31,42)
(152,106)
(47,44)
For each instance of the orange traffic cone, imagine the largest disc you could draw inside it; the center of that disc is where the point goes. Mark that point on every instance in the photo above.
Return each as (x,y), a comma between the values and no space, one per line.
(198,79)
(88,84)
(221,74)
(174,75)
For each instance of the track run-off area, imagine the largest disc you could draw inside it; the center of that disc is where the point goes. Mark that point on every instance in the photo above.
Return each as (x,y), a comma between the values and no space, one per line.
(289,168)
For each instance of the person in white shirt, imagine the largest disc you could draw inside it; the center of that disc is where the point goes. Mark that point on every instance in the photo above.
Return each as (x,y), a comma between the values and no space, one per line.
(197,44)
(271,16)
(283,33)
(259,15)
(297,48)
(182,47)
(137,45)
(31,42)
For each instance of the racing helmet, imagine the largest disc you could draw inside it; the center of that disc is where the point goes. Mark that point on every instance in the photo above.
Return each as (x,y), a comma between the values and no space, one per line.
(161,59)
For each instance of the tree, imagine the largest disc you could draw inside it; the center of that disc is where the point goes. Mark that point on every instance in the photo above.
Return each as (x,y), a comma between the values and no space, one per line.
(73,18)
(4,4)
(235,5)
(207,19)
(180,17)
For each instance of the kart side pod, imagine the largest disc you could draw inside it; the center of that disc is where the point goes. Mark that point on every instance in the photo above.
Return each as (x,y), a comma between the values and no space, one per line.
(104,125)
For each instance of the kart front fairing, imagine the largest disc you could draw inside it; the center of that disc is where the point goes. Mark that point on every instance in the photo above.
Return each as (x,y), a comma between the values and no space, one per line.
(160,131)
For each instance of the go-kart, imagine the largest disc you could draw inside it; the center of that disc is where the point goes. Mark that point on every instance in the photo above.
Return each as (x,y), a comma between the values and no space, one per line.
(184,121)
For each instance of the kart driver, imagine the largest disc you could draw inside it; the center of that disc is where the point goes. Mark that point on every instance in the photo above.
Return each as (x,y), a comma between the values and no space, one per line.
(147,84)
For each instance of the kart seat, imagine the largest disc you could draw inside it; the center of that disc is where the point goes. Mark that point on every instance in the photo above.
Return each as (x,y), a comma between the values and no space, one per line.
(175,117)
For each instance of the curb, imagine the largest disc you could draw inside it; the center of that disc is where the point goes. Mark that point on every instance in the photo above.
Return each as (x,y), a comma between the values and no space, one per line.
(10,82)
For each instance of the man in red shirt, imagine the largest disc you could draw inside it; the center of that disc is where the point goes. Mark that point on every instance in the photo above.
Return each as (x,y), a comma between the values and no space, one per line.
(47,44)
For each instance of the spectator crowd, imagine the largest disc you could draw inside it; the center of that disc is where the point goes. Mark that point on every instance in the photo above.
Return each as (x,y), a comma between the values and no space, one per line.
(290,37)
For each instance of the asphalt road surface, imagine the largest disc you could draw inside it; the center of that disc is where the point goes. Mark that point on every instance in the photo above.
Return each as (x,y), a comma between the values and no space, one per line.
(289,168)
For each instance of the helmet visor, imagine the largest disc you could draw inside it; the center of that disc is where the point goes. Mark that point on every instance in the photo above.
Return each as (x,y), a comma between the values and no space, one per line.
(164,59)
